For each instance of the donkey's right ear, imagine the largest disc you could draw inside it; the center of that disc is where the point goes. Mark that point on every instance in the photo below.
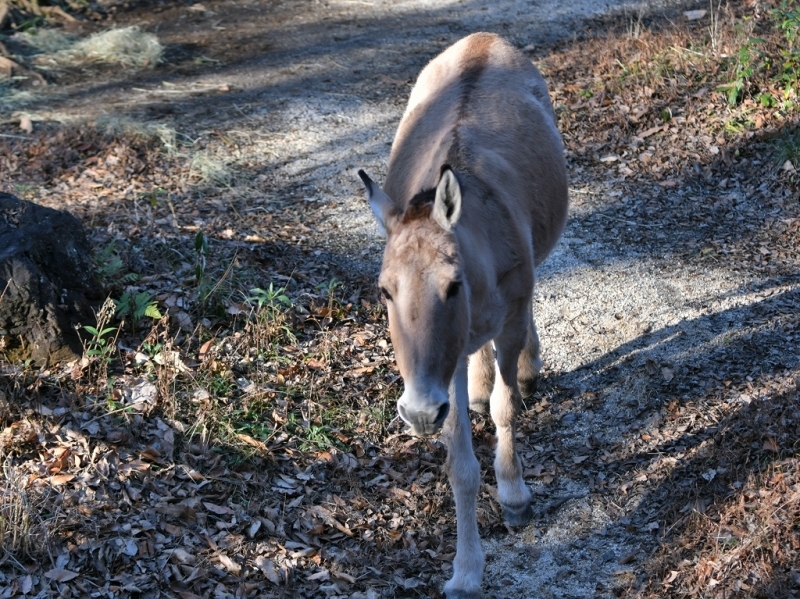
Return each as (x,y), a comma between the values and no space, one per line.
(382,206)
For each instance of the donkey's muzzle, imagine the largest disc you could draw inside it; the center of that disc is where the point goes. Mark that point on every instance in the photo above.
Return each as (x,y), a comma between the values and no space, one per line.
(424,418)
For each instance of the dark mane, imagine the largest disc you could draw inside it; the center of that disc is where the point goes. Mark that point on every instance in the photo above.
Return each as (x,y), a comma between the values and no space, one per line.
(420,206)
(423,197)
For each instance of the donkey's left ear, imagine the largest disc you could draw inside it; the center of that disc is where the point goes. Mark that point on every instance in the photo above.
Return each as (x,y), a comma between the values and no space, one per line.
(382,206)
(447,205)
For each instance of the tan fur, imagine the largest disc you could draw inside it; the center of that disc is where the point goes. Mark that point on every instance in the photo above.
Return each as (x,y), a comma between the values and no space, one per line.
(459,269)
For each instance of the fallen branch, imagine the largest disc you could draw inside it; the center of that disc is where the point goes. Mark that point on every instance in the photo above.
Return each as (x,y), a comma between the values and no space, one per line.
(57,11)
(23,8)
(8,66)
(4,10)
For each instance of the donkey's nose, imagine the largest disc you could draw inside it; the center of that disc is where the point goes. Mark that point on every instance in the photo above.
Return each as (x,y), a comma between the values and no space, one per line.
(424,417)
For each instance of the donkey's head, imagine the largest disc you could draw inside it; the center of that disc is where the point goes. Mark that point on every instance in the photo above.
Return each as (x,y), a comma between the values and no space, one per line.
(422,282)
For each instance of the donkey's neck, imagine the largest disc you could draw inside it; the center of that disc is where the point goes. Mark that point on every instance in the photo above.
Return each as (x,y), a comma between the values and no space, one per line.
(495,264)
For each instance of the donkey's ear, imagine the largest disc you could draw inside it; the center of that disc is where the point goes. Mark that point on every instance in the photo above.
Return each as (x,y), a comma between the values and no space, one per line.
(447,205)
(382,206)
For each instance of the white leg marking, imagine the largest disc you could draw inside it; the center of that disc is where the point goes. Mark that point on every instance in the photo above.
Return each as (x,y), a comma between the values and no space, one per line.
(464,474)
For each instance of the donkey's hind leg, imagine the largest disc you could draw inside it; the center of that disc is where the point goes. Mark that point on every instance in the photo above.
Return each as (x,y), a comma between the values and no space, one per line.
(529,363)
(481,378)
(514,496)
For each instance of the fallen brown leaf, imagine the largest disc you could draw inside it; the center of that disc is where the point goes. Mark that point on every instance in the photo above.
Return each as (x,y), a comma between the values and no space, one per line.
(230,565)
(268,569)
(60,574)
(61,479)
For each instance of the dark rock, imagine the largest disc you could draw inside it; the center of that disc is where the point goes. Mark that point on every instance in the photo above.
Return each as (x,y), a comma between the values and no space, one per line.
(47,284)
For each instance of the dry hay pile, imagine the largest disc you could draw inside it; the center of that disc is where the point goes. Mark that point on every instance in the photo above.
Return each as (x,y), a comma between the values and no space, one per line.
(128,47)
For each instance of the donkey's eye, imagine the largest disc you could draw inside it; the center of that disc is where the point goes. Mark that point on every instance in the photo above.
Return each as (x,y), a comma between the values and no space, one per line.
(385,294)
(453,289)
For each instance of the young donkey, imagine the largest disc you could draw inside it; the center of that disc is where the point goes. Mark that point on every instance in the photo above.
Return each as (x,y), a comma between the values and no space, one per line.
(475,197)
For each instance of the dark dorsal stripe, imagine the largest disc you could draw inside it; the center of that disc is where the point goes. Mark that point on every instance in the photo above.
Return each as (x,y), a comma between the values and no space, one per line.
(473,65)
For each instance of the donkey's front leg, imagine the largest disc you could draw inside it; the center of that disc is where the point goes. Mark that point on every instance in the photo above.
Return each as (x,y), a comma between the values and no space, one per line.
(464,474)
(514,496)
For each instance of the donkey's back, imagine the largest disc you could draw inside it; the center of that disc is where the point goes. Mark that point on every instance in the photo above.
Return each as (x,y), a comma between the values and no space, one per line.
(482,108)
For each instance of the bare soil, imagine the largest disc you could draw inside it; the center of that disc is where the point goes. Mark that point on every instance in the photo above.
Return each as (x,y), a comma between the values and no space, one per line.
(662,444)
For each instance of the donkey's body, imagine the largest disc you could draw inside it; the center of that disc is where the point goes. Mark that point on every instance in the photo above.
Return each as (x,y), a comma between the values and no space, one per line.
(475,197)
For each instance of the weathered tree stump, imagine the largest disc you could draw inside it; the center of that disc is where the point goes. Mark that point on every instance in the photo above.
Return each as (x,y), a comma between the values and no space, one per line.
(47,283)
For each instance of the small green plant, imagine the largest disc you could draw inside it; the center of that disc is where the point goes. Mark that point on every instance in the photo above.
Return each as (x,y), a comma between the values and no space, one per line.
(272,298)
(24,189)
(787,150)
(253,420)
(201,251)
(749,59)
(737,125)
(152,349)
(328,291)
(112,405)
(109,267)
(766,99)
(316,437)
(257,430)
(32,24)
(220,385)
(309,436)
(786,18)
(152,196)
(137,306)
(779,62)
(271,320)
(100,346)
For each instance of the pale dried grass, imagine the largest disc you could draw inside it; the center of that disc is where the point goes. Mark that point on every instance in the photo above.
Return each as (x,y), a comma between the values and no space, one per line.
(19,530)
(128,47)
(46,41)
(206,169)
(12,99)
(116,126)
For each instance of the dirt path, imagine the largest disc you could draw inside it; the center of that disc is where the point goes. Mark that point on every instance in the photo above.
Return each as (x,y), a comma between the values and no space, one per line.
(630,331)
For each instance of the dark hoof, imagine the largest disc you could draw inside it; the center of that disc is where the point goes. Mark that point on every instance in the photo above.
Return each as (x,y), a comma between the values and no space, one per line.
(518,515)
(528,387)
